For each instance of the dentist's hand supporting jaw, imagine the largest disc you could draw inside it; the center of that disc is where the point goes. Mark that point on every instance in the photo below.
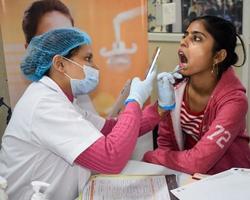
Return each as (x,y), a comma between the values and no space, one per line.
(141,90)
(166,96)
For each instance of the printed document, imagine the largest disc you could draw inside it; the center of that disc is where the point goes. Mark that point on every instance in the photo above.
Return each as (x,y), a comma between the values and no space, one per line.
(130,187)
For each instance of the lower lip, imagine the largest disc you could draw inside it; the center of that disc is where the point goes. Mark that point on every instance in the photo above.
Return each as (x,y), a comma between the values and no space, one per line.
(183,65)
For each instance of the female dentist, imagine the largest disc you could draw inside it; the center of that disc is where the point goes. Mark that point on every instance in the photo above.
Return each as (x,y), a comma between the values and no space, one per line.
(50,139)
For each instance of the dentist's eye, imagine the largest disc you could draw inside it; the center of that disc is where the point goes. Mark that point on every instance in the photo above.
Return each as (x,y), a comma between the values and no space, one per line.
(88,58)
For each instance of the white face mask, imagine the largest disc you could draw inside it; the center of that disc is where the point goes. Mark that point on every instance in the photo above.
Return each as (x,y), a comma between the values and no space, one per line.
(86,85)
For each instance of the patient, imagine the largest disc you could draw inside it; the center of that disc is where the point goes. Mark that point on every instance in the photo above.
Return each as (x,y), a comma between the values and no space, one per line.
(205,131)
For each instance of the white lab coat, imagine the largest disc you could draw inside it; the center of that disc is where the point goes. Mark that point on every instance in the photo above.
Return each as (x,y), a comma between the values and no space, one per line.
(45,135)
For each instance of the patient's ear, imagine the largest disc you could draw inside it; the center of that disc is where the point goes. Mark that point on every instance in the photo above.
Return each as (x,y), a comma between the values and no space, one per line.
(220,56)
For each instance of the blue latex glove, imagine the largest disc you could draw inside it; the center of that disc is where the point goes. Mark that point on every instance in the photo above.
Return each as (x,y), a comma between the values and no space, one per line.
(166,97)
(141,90)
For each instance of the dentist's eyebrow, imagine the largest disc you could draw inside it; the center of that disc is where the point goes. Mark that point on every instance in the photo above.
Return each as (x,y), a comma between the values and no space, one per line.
(89,55)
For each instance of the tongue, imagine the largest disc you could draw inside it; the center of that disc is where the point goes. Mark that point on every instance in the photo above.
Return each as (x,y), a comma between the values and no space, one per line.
(182,65)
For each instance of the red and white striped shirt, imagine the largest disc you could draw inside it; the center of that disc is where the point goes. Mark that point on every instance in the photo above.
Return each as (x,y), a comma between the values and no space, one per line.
(190,124)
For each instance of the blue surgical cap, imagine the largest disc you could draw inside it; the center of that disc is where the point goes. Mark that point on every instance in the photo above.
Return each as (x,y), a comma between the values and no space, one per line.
(43,48)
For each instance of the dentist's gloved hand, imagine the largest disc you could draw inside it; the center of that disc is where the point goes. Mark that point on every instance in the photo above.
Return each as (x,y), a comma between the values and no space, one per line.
(141,90)
(166,96)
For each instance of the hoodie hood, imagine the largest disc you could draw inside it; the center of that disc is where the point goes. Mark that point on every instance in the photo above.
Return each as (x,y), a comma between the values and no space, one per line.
(228,84)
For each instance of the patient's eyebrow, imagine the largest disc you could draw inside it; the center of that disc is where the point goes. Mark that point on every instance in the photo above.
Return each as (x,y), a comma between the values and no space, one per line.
(194,33)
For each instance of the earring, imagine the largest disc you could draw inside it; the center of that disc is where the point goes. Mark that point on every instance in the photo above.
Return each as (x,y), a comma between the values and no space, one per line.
(215,69)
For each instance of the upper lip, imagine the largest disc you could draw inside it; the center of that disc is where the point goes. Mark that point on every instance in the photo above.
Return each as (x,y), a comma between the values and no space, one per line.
(182,56)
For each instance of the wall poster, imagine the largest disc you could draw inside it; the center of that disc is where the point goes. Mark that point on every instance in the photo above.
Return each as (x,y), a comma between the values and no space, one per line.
(119,33)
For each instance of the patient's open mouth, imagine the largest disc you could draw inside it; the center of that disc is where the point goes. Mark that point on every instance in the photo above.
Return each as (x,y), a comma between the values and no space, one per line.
(183,59)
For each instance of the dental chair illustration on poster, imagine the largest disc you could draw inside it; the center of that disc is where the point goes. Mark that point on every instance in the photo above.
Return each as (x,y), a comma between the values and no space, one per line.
(119,55)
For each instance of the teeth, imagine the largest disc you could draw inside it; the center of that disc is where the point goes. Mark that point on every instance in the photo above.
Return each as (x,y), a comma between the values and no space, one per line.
(182,57)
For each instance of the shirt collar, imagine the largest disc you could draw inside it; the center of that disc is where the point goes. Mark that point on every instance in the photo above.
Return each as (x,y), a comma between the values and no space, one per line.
(53,85)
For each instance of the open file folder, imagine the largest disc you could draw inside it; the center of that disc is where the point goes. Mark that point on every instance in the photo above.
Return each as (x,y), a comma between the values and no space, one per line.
(229,185)
(130,187)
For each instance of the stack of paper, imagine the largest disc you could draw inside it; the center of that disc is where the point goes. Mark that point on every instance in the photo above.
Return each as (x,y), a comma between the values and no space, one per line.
(130,187)
(230,185)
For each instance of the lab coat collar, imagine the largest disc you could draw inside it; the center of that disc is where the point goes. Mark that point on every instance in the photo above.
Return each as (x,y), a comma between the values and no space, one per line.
(47,81)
